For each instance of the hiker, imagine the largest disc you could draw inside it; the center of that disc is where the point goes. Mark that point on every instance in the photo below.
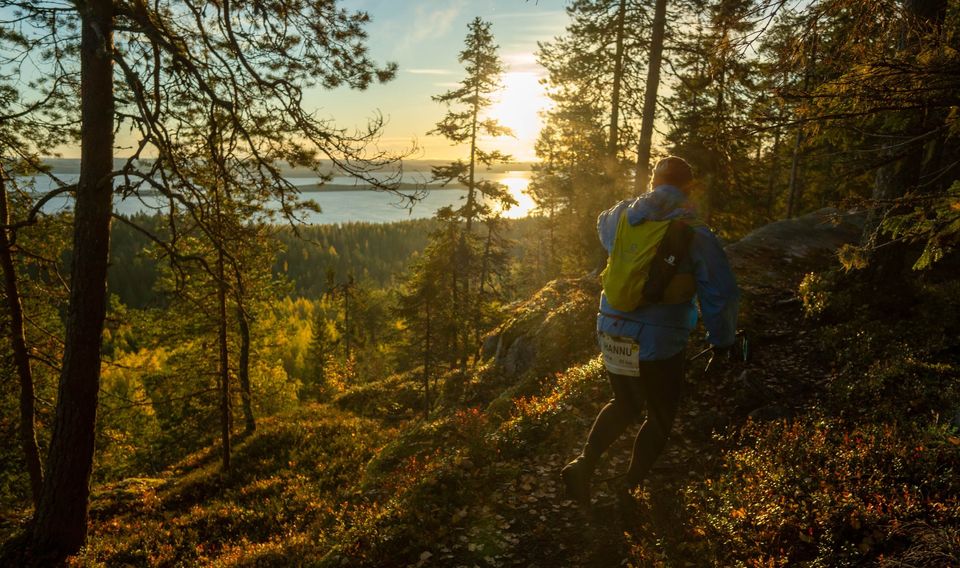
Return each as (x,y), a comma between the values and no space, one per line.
(644,336)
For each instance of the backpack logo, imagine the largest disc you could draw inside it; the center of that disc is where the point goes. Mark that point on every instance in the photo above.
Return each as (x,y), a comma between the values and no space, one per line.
(671,260)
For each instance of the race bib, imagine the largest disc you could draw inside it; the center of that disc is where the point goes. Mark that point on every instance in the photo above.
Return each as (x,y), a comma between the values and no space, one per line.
(621,355)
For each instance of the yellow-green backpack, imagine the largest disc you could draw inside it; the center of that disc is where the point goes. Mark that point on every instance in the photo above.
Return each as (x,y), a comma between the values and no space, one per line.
(642,267)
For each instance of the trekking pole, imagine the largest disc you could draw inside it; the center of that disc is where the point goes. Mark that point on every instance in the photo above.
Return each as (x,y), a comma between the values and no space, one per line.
(739,351)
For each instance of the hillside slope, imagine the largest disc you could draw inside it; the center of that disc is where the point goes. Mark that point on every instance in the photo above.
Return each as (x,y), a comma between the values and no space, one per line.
(831,446)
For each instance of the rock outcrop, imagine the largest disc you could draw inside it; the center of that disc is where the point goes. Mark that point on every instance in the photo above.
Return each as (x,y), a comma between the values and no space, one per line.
(552,330)
(784,250)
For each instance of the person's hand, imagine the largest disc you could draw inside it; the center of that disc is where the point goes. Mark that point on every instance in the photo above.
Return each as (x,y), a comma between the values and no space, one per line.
(723,353)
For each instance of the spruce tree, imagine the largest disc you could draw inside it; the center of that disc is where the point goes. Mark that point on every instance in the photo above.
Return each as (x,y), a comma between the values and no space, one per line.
(426,308)
(465,123)
(322,346)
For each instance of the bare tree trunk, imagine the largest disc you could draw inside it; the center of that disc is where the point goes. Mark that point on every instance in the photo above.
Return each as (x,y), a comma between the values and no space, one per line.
(720,178)
(472,172)
(60,521)
(775,163)
(347,289)
(484,267)
(650,96)
(21,354)
(464,249)
(426,360)
(617,80)
(243,372)
(774,172)
(454,323)
(796,192)
(554,262)
(794,200)
(463,307)
(223,371)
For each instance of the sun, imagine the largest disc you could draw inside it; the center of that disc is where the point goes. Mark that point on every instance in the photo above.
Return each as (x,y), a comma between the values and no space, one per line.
(519,108)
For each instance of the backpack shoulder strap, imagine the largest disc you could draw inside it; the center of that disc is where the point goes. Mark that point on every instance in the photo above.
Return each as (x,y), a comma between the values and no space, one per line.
(673,249)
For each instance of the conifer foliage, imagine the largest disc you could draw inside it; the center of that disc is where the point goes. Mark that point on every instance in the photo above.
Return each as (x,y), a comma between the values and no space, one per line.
(780,107)
(597,76)
(465,122)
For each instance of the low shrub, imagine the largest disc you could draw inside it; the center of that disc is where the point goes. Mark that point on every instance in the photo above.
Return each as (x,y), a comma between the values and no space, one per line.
(822,492)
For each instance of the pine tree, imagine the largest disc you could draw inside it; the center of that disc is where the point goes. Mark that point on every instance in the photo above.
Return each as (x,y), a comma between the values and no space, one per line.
(18,344)
(466,124)
(599,63)
(32,296)
(650,94)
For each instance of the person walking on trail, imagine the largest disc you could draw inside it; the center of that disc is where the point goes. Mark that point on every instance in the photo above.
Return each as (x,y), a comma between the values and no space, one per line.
(661,260)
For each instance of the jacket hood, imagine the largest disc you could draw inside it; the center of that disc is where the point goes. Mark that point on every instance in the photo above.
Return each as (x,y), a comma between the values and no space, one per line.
(663,203)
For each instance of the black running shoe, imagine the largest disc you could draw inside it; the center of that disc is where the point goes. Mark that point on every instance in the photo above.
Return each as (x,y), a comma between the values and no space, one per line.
(628,505)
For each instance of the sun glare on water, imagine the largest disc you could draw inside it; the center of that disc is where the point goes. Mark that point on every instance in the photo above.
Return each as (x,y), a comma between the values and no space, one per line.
(517,186)
(519,106)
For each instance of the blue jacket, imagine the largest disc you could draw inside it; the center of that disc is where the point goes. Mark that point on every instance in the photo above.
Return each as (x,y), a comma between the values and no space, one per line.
(662,330)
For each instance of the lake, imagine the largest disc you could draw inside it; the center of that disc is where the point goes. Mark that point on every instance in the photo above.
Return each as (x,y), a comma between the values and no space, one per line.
(359,205)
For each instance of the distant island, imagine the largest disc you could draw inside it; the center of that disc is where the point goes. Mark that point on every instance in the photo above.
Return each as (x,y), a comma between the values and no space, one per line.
(315,187)
(416,176)
(72,166)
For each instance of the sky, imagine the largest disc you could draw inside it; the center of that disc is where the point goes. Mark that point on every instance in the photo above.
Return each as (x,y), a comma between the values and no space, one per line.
(424,38)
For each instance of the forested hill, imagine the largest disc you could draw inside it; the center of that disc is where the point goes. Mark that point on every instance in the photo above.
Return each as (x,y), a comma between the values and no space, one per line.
(836,444)
(373,253)
(310,259)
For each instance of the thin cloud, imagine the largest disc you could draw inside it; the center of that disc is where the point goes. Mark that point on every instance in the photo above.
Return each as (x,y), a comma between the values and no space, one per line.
(432,22)
(535,25)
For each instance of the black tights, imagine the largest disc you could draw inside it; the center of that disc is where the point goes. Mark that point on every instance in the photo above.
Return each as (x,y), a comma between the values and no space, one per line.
(658,388)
